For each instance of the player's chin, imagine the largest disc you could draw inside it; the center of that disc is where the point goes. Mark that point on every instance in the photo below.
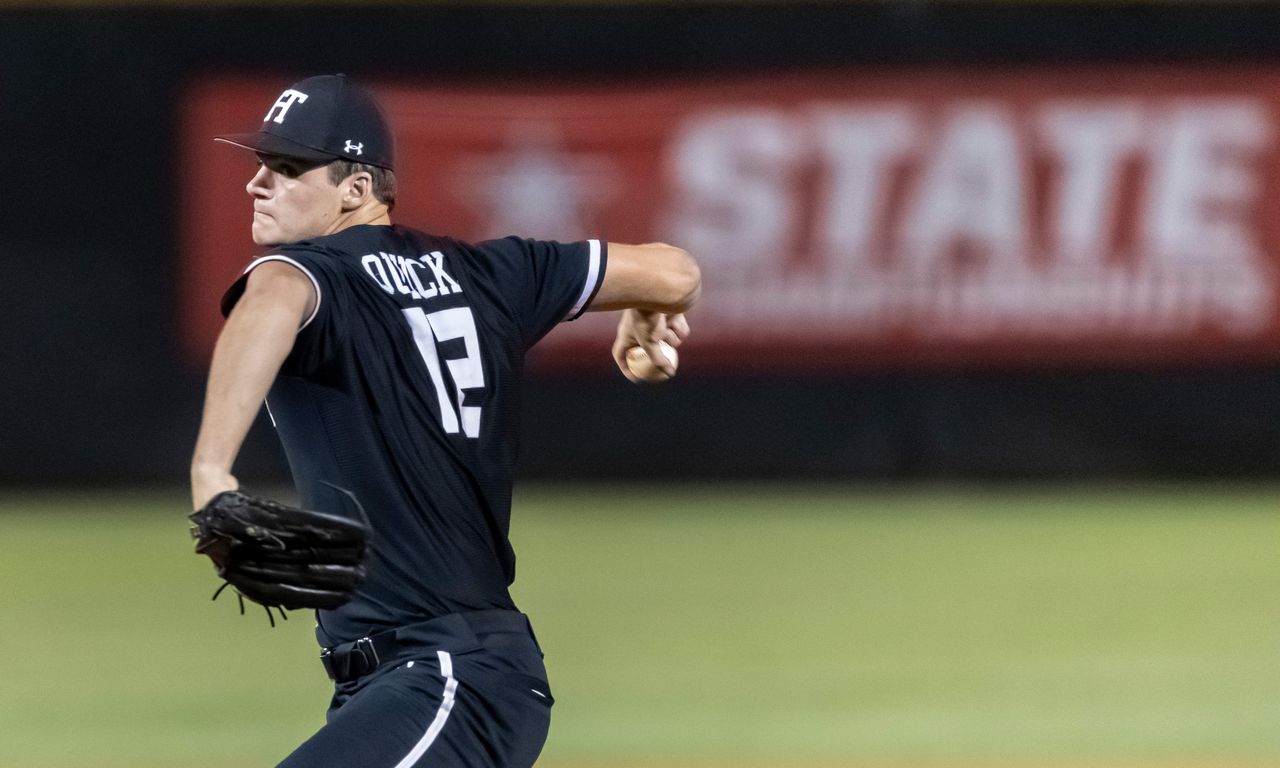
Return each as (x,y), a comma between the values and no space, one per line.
(264,231)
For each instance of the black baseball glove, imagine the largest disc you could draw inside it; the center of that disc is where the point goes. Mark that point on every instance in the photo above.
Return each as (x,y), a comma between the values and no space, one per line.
(280,556)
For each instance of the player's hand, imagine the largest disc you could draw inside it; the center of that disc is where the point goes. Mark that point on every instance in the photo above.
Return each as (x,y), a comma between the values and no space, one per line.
(207,482)
(643,328)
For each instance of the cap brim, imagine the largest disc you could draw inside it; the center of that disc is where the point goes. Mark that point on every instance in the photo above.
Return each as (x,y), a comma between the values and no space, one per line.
(270,144)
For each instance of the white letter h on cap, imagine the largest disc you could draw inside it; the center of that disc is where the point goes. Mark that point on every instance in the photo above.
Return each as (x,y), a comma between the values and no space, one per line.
(283,103)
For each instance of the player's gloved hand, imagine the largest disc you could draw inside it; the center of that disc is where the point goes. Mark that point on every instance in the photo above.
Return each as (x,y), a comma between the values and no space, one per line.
(643,328)
(281,556)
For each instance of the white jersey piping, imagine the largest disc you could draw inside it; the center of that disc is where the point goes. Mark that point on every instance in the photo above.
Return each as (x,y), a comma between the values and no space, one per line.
(314,283)
(593,272)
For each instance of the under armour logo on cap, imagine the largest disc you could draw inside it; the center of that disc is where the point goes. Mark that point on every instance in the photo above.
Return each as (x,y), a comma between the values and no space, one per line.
(312,119)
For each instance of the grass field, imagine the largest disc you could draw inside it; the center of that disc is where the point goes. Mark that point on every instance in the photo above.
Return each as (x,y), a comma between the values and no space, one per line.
(714,626)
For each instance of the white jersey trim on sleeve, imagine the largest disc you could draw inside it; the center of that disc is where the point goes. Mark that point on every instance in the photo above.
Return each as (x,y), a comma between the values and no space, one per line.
(314,283)
(593,276)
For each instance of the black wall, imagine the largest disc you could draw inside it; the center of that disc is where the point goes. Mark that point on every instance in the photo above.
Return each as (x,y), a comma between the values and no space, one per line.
(92,389)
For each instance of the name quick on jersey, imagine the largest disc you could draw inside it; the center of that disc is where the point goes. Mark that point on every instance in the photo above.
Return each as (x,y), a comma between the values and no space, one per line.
(396,274)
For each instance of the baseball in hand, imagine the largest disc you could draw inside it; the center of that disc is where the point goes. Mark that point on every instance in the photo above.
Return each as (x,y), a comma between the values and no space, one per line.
(644,369)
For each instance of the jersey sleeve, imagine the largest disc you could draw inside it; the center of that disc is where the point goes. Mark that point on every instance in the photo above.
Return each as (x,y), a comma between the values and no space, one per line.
(318,333)
(552,282)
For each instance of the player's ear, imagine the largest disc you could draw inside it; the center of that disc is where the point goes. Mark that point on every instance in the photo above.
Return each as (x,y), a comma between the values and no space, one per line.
(357,190)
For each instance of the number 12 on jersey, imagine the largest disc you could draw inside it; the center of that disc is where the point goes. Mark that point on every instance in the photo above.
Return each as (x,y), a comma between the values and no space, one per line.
(466,372)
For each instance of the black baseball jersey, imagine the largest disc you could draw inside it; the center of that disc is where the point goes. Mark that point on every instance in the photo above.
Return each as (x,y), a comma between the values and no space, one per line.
(402,393)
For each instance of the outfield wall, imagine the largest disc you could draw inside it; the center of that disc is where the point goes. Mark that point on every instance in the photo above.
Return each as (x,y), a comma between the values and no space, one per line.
(940,241)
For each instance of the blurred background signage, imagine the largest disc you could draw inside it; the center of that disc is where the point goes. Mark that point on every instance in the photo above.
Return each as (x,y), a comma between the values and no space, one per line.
(844,218)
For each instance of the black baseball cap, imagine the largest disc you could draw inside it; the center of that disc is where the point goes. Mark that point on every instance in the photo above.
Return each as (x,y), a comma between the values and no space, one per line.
(321,119)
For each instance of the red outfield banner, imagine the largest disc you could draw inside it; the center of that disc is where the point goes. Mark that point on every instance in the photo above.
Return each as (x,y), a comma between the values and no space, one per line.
(843,219)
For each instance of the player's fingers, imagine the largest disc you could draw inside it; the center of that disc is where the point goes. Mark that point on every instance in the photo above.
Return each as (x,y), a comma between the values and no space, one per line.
(677,330)
(657,329)
(658,357)
(679,324)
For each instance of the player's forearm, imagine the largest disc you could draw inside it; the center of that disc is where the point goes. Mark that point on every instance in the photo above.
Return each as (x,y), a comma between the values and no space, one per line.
(655,277)
(253,344)
(687,286)
(676,284)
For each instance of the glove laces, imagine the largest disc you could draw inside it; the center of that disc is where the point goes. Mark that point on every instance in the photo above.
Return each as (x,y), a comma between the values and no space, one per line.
(270,617)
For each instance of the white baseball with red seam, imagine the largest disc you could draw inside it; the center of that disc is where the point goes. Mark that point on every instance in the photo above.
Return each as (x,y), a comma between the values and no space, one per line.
(643,368)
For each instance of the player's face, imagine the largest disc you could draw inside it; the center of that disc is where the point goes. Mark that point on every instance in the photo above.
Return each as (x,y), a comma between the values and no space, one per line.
(292,200)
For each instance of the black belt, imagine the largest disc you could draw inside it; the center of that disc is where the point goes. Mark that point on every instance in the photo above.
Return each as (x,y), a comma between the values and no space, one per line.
(349,661)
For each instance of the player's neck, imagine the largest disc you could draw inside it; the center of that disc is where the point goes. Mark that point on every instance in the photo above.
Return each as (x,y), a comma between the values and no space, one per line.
(377,215)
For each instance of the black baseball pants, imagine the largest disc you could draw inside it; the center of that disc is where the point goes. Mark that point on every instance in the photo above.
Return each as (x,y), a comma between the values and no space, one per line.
(462,691)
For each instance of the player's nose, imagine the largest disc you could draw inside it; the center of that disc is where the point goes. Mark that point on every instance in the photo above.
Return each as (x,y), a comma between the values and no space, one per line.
(257,186)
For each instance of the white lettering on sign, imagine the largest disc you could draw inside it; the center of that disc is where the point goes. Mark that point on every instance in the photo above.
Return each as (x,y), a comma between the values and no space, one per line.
(1126,216)
(734,203)
(1092,143)
(970,192)
(858,148)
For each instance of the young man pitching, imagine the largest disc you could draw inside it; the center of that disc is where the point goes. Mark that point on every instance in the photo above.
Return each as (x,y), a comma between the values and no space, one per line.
(390,360)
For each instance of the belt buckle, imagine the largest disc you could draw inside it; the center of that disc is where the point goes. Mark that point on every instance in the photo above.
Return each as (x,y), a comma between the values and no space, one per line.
(360,659)
(365,646)
(326,659)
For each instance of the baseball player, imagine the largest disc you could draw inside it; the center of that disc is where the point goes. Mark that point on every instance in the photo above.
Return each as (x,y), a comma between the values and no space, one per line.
(390,362)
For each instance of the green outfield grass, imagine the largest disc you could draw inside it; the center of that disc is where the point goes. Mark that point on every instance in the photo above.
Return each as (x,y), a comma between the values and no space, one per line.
(712,626)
